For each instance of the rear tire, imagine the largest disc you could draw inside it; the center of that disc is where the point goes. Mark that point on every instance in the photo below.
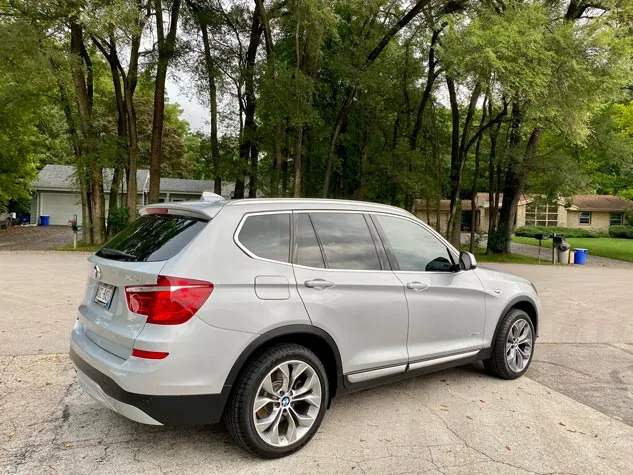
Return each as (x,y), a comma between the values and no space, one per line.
(513,347)
(286,386)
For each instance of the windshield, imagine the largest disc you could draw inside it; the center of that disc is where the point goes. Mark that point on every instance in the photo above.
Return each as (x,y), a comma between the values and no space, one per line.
(153,237)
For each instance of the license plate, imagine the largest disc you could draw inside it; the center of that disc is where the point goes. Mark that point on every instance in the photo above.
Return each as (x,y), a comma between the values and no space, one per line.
(104,294)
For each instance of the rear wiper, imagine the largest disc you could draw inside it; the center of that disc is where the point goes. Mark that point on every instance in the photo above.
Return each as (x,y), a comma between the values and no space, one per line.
(114,253)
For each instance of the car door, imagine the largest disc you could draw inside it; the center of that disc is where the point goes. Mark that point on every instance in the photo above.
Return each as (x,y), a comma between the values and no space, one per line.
(446,305)
(349,292)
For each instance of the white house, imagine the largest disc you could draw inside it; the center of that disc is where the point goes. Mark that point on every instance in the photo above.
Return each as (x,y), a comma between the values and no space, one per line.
(56,192)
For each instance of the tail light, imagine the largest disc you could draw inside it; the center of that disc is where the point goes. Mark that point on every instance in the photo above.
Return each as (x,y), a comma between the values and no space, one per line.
(173,300)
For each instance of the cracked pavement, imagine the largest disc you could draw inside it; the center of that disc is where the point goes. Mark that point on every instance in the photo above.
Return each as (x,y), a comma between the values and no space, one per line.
(572,413)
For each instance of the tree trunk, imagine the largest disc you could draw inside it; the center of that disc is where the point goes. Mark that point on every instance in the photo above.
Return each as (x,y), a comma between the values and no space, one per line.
(492,201)
(71,130)
(133,147)
(83,84)
(455,160)
(109,51)
(166,49)
(213,99)
(252,177)
(297,162)
(115,190)
(515,180)
(473,196)
(213,112)
(156,146)
(426,94)
(278,161)
(516,174)
(364,165)
(248,154)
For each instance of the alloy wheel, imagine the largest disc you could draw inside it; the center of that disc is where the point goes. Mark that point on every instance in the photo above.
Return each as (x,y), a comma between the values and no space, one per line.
(287,403)
(519,345)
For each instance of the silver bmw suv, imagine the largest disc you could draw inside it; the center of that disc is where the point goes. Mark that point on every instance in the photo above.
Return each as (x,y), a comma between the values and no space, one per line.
(261,311)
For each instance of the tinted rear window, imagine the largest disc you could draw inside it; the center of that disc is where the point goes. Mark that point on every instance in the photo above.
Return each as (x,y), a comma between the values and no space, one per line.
(267,236)
(153,237)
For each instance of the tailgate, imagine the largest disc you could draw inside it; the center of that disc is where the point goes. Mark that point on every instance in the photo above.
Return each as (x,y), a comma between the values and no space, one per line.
(133,257)
(106,319)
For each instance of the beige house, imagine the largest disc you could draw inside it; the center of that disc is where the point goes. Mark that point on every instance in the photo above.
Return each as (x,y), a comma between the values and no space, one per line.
(595,212)
(479,217)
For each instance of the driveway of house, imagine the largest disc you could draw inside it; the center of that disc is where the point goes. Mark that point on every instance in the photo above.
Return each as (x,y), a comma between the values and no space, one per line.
(546,255)
(35,238)
(573,413)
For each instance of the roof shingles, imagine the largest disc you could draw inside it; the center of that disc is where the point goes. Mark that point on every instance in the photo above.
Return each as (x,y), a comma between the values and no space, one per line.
(600,203)
(62,178)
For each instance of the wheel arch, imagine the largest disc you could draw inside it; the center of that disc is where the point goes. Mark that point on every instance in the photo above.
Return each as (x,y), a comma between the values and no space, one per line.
(313,338)
(524,303)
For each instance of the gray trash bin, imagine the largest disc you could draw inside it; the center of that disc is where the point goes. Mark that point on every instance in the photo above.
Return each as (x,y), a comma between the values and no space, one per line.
(563,252)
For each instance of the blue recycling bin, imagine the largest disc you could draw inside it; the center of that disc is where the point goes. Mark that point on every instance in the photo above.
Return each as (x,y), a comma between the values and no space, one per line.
(580,256)
(44,219)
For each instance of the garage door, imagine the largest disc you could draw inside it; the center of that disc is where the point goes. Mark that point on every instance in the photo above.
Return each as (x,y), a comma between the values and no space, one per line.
(61,207)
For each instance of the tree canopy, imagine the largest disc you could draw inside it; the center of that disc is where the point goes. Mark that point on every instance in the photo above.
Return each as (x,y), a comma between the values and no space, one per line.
(382,100)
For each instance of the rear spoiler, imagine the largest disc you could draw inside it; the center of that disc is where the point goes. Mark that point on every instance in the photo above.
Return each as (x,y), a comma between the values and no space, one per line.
(205,210)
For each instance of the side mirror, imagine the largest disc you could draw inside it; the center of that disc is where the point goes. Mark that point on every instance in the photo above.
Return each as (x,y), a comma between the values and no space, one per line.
(467,261)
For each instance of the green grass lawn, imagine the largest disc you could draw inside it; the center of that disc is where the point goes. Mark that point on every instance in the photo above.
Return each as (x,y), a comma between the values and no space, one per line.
(480,254)
(482,257)
(621,249)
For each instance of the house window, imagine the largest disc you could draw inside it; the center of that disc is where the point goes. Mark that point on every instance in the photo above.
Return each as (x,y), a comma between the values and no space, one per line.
(584,217)
(616,219)
(541,214)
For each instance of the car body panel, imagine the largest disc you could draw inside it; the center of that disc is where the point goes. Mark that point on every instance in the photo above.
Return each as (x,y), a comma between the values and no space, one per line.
(503,289)
(446,317)
(364,311)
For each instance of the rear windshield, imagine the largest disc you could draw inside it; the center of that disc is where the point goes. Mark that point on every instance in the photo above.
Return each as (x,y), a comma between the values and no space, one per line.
(153,237)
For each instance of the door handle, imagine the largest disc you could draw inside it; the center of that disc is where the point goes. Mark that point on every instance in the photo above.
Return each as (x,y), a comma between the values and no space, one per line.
(318,284)
(417,286)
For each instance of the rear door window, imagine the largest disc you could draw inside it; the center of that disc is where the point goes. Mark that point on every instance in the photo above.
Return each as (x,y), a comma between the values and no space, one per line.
(153,237)
(267,236)
(346,241)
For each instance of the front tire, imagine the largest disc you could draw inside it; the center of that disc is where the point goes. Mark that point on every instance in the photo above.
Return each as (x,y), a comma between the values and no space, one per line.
(279,401)
(513,347)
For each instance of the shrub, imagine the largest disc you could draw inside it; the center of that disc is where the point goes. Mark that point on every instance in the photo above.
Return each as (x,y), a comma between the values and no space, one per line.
(532,231)
(621,231)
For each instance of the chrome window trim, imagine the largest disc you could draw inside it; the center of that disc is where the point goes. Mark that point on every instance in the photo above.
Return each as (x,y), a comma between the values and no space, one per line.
(251,254)
(411,218)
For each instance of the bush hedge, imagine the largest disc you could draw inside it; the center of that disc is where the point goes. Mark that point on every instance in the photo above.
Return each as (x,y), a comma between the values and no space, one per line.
(621,231)
(532,231)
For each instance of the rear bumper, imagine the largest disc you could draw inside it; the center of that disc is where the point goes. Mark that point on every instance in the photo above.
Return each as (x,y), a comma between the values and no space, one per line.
(150,409)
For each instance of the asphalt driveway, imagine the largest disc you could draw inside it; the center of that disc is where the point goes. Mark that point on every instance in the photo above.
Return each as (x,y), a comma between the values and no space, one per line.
(35,238)
(573,413)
